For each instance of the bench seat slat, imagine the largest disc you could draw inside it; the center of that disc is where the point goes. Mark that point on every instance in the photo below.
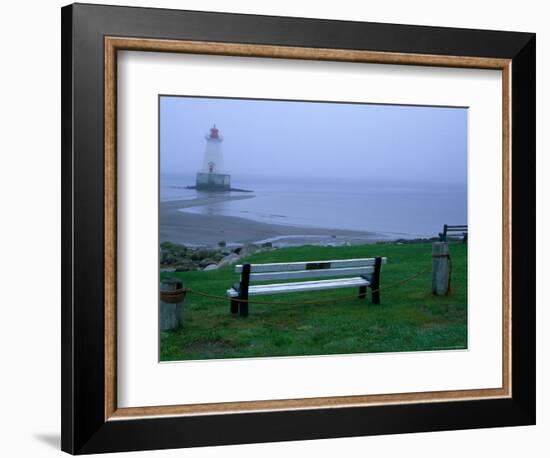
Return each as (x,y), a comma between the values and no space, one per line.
(311,274)
(302,286)
(309,265)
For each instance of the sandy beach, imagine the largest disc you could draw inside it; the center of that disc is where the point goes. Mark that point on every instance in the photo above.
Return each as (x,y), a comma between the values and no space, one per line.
(200,229)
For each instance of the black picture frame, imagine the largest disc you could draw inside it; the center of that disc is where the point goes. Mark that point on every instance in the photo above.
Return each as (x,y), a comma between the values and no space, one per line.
(84,427)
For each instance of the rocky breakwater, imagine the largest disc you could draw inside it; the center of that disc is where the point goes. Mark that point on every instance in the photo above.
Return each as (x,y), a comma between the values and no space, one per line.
(175,257)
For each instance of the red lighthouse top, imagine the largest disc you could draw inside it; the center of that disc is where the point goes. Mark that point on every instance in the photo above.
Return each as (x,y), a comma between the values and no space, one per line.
(214,133)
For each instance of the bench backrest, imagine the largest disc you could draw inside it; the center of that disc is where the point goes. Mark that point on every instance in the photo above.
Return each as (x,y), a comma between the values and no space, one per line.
(461,228)
(311,269)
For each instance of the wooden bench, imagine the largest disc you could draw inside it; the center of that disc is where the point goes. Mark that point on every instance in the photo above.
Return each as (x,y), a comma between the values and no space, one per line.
(350,273)
(447,229)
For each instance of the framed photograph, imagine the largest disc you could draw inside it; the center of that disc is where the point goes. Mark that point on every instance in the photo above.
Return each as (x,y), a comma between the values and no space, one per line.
(281,228)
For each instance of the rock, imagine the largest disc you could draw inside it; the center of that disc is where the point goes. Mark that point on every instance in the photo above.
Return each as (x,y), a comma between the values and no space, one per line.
(267,245)
(173,248)
(203,253)
(172,253)
(185,266)
(229,259)
(207,253)
(211,267)
(205,262)
(248,249)
(166,257)
(218,256)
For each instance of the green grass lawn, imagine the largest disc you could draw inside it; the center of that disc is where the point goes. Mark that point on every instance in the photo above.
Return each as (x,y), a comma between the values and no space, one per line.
(409,317)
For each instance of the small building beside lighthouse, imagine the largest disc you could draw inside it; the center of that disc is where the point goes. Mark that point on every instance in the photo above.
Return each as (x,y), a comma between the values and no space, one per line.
(212,176)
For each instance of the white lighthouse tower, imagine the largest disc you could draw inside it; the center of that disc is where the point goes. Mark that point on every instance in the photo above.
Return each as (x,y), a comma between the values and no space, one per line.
(212,176)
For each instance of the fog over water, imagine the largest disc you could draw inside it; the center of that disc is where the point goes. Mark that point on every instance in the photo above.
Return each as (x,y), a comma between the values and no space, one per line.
(305,139)
(394,169)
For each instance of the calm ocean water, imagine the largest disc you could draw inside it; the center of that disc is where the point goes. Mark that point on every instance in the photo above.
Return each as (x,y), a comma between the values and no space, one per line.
(400,209)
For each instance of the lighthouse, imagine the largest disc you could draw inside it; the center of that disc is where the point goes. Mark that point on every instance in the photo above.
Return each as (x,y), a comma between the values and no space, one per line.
(212,176)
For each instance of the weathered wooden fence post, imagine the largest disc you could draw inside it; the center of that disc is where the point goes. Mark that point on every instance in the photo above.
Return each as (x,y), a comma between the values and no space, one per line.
(172,296)
(441,271)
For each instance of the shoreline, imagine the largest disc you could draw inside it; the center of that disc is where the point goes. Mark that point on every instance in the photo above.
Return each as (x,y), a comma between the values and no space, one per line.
(207,230)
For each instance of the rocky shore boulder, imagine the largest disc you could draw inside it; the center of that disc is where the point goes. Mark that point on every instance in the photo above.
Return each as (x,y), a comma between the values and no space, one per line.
(184,259)
(248,248)
(229,259)
(186,265)
(206,262)
(172,253)
(203,253)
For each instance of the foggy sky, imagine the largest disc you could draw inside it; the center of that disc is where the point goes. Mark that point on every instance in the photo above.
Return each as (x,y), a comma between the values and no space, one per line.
(317,140)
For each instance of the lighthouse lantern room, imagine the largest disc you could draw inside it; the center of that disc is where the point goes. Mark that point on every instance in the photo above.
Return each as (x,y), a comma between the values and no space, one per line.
(212,176)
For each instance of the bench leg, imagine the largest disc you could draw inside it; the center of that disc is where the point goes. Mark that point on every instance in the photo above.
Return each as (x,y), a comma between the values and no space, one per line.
(375,280)
(234,306)
(243,290)
(362,292)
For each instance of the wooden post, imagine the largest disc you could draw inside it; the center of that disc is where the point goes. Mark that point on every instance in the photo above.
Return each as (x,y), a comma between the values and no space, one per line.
(172,296)
(375,281)
(243,291)
(440,268)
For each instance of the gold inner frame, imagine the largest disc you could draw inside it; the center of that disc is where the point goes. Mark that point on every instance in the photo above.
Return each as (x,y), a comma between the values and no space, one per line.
(114,44)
